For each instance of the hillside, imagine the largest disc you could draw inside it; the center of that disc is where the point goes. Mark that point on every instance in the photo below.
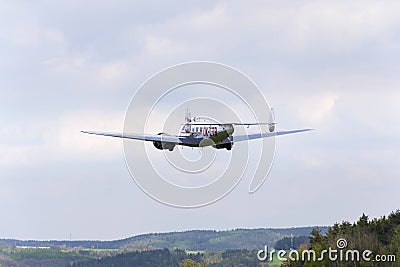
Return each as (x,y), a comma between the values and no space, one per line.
(190,240)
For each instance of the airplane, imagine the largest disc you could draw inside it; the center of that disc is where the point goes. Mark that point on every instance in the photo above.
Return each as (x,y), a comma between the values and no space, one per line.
(201,132)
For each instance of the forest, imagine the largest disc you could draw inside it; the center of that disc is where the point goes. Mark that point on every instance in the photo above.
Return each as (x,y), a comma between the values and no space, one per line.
(177,258)
(380,236)
(191,240)
(187,248)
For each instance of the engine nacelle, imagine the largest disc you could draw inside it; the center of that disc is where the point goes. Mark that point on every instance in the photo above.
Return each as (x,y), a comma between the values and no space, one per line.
(272,127)
(163,145)
(228,146)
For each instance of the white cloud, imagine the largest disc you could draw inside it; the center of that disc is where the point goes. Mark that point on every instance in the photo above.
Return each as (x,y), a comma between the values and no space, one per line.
(21,27)
(83,68)
(336,25)
(115,71)
(216,18)
(315,108)
(340,24)
(88,147)
(60,140)
(158,47)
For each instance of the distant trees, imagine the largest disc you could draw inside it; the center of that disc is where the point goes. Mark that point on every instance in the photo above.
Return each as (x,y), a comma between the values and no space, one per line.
(189,263)
(192,240)
(176,258)
(294,242)
(150,258)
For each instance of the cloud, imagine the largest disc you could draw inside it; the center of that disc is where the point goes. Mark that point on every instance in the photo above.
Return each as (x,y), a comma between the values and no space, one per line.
(158,47)
(208,20)
(315,108)
(60,140)
(22,28)
(81,67)
(340,25)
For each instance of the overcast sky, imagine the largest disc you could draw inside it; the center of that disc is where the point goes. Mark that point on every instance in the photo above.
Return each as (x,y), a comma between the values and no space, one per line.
(66,66)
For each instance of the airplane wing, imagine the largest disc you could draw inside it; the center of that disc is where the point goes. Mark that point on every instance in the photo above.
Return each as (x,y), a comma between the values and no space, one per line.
(238,138)
(145,137)
(233,123)
(251,123)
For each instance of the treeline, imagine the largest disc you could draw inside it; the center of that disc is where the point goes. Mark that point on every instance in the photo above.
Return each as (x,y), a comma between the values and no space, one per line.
(63,243)
(216,240)
(380,236)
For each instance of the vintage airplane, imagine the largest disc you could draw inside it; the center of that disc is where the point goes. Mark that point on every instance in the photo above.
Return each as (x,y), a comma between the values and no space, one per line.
(202,132)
